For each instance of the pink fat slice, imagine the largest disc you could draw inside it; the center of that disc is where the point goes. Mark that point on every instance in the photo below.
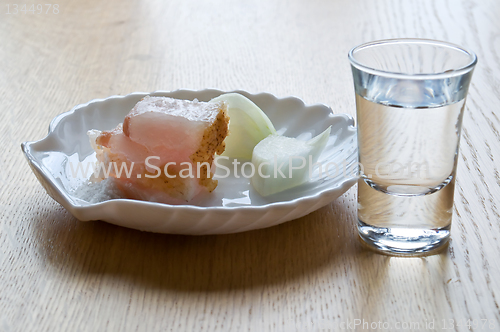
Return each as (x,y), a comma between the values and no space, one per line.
(161,130)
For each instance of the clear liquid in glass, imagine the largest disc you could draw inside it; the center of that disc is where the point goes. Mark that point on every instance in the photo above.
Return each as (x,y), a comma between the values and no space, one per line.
(408,159)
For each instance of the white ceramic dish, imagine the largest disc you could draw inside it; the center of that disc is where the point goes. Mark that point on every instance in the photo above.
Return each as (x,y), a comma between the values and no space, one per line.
(233,207)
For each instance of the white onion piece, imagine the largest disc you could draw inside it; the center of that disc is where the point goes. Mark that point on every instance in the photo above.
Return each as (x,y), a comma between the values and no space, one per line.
(248,125)
(274,155)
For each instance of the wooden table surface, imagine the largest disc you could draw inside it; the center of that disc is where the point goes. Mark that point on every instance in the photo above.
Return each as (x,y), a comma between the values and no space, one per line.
(60,274)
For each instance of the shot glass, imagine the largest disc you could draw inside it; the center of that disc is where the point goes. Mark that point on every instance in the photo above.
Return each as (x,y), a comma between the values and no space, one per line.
(410,98)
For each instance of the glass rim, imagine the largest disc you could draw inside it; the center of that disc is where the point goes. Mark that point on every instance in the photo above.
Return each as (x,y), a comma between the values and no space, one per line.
(439,75)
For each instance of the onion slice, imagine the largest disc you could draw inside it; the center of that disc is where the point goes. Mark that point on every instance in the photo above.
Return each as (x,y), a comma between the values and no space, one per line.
(248,125)
(282,162)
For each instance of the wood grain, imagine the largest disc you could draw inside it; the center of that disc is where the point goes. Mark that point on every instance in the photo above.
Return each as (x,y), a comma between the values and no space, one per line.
(59,274)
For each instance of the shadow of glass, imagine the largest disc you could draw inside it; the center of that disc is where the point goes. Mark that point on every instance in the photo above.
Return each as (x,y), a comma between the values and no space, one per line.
(412,282)
(191,263)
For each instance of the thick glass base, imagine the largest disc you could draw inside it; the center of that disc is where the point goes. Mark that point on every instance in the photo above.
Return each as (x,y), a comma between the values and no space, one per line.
(404,241)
